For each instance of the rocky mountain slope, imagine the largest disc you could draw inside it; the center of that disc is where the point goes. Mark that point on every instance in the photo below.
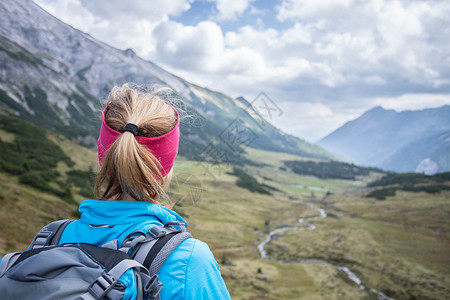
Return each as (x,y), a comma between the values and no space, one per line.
(57,77)
(405,141)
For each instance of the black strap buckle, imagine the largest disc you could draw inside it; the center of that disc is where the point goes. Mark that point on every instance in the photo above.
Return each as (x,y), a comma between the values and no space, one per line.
(157,231)
(41,239)
(153,287)
(102,285)
(172,225)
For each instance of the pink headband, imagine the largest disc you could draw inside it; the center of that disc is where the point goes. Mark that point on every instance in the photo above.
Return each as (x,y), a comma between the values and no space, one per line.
(164,147)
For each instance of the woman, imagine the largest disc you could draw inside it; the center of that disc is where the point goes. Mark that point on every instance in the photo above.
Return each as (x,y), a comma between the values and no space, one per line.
(137,146)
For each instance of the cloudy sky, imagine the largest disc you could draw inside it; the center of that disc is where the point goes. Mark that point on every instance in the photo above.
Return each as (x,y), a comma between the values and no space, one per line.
(323,62)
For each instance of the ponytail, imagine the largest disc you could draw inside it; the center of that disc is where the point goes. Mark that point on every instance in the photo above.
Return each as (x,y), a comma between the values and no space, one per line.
(128,168)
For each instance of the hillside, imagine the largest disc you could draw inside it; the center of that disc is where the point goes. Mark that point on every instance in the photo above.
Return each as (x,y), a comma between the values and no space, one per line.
(43,177)
(412,182)
(395,141)
(59,77)
(429,155)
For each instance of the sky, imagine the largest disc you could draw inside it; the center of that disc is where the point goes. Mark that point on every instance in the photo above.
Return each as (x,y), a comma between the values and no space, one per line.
(323,62)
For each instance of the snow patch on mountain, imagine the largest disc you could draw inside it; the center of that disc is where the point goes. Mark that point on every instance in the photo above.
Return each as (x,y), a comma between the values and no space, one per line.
(427,167)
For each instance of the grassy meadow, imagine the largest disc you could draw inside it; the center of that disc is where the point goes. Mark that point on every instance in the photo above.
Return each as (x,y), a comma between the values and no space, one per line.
(399,246)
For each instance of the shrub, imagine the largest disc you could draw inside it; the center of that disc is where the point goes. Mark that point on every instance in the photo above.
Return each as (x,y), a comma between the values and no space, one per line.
(248,182)
(84,180)
(331,169)
(33,157)
(381,194)
(432,189)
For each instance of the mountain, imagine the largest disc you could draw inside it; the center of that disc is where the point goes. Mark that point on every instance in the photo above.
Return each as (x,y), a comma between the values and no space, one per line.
(428,155)
(54,75)
(405,141)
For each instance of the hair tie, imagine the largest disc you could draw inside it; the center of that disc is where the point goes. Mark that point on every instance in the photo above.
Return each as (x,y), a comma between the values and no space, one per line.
(131,128)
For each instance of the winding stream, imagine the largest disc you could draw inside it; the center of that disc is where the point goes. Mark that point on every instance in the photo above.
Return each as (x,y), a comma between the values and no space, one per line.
(308,226)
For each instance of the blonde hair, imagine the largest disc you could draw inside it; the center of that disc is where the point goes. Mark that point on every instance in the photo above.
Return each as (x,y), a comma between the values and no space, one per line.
(129,169)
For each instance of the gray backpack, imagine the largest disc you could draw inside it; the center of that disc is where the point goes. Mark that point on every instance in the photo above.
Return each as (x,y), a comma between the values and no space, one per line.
(87,272)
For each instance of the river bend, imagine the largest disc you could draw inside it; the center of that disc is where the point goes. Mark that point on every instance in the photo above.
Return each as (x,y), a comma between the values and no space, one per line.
(305,225)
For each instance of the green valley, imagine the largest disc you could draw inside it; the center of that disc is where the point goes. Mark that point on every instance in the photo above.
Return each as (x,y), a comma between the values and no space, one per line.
(397,246)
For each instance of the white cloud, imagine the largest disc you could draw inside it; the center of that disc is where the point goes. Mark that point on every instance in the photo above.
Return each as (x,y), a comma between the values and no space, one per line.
(240,57)
(374,80)
(251,37)
(297,34)
(413,101)
(231,9)
(350,55)
(197,47)
(74,13)
(334,43)
(398,37)
(310,9)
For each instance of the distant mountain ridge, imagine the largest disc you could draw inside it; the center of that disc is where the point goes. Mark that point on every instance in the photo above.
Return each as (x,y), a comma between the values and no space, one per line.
(54,76)
(406,141)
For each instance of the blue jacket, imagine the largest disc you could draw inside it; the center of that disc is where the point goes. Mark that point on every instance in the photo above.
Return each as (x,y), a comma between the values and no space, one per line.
(190,272)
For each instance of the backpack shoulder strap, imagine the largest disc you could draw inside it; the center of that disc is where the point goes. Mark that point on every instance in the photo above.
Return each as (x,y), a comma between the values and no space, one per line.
(154,253)
(50,234)
(160,243)
(153,248)
(59,232)
(162,250)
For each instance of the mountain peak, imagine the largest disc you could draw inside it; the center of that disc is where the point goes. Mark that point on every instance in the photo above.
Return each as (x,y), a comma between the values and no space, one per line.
(377,110)
(129,52)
